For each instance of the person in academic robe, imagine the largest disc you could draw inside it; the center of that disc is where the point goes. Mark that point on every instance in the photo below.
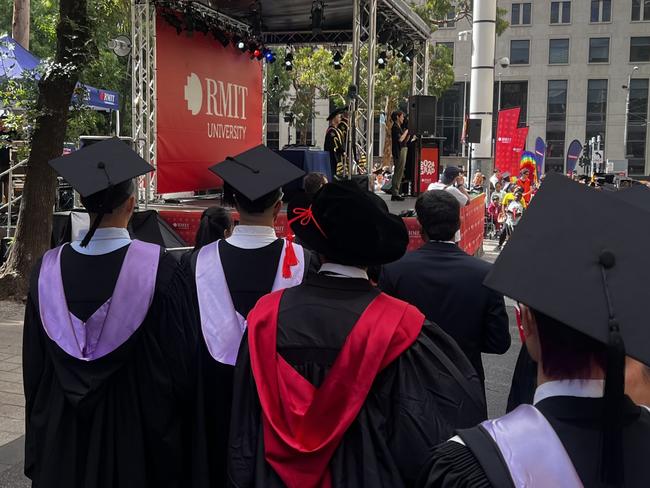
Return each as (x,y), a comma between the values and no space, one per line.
(335,142)
(581,315)
(229,276)
(336,383)
(108,345)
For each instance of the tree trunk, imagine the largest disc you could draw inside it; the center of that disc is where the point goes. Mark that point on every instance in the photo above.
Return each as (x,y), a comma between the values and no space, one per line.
(56,88)
(20,23)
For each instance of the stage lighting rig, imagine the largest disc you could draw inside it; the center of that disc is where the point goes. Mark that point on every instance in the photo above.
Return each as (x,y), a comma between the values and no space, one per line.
(288,61)
(382,60)
(408,57)
(220,36)
(336,60)
(317,8)
(269,56)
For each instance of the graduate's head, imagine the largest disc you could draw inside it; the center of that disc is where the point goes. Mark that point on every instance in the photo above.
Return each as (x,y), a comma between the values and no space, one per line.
(560,351)
(438,213)
(267,205)
(348,225)
(216,224)
(117,205)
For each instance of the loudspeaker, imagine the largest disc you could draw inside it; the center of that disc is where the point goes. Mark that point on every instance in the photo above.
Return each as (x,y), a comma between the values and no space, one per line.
(361,181)
(422,115)
(474,131)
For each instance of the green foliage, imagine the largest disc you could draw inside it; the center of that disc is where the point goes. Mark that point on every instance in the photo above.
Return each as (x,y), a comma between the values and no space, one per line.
(108,18)
(502,23)
(441,72)
(434,13)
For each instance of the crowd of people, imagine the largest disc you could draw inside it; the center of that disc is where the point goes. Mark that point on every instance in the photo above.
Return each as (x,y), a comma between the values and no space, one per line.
(333,358)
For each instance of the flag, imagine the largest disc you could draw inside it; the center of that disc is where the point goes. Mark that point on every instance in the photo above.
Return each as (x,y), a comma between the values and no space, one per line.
(540,153)
(506,131)
(572,155)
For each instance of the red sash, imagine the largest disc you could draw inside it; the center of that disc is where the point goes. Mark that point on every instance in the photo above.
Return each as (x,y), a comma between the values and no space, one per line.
(304,425)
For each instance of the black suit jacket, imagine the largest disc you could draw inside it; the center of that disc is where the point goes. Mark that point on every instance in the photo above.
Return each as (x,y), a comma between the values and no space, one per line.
(446,284)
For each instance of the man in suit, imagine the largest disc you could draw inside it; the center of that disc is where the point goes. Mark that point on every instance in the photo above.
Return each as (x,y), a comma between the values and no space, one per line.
(447,285)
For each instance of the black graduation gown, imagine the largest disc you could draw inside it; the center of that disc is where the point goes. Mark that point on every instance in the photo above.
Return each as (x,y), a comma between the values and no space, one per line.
(122,420)
(577,422)
(334,146)
(403,415)
(250,274)
(524,381)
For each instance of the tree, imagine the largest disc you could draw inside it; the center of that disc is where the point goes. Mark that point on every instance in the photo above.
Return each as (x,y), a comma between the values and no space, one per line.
(20,23)
(55,89)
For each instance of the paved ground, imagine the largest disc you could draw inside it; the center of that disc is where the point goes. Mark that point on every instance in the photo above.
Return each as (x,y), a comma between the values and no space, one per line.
(498,375)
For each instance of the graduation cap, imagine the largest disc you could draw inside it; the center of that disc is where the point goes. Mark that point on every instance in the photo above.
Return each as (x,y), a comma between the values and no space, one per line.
(589,272)
(103,175)
(637,195)
(336,112)
(257,172)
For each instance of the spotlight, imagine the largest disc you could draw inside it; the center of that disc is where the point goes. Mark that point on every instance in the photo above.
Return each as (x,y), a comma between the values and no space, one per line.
(336,60)
(288,61)
(408,57)
(269,56)
(382,60)
(317,8)
(257,54)
(220,36)
(239,43)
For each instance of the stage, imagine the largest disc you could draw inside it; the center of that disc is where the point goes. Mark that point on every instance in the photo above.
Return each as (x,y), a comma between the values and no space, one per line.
(185,218)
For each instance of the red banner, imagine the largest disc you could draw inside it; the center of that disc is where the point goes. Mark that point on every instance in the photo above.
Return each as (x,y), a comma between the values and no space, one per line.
(208,106)
(472,220)
(518,148)
(506,134)
(429,167)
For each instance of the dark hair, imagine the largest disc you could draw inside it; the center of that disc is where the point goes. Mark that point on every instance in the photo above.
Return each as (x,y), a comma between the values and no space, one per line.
(518,190)
(395,115)
(567,353)
(439,214)
(260,205)
(215,221)
(313,182)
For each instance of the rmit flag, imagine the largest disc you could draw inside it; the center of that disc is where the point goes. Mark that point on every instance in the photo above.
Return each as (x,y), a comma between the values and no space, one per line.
(506,134)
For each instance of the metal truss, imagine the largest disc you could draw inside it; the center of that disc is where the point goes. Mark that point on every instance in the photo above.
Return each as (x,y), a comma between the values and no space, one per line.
(325,38)
(143,86)
(420,77)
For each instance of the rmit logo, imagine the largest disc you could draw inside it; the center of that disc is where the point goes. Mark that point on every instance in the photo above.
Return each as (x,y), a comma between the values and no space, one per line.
(107,97)
(222,99)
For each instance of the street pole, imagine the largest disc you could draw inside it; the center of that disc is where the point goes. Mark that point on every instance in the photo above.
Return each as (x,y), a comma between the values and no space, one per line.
(499,96)
(464,144)
(627,111)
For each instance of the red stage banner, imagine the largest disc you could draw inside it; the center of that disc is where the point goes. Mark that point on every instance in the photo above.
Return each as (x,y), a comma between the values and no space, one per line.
(429,167)
(506,133)
(472,217)
(518,147)
(208,106)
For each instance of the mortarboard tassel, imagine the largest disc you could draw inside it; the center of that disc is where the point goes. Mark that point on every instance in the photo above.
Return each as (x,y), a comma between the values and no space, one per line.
(290,258)
(612,452)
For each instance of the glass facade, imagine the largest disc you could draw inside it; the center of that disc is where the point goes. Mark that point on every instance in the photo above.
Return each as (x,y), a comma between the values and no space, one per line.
(558,51)
(596,110)
(556,125)
(637,127)
(513,94)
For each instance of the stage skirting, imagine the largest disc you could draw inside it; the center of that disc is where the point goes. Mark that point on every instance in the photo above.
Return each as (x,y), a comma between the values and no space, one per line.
(186,223)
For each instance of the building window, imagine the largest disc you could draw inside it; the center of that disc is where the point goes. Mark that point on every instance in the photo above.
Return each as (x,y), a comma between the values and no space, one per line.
(450,23)
(637,127)
(450,48)
(558,51)
(560,12)
(513,94)
(450,116)
(520,14)
(596,109)
(599,50)
(556,125)
(640,10)
(601,11)
(640,49)
(520,52)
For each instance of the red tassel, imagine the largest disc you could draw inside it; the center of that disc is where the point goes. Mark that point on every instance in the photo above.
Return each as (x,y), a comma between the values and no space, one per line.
(290,258)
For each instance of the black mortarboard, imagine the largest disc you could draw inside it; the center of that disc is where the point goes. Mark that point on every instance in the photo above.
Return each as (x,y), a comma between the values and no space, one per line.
(257,172)
(637,195)
(587,266)
(102,174)
(336,112)
(94,168)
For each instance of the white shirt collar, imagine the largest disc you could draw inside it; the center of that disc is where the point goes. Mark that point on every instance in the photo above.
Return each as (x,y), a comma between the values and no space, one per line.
(104,241)
(573,388)
(252,236)
(344,271)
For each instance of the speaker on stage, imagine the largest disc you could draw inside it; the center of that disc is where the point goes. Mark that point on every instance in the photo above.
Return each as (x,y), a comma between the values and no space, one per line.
(422,115)
(474,131)
(361,181)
